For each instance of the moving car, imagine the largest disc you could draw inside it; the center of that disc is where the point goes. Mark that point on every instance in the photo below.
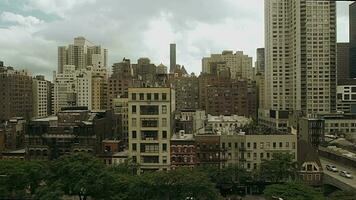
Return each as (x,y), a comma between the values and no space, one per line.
(331,168)
(345,174)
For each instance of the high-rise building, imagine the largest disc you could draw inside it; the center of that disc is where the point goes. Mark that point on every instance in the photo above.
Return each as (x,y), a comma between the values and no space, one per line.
(41,97)
(72,88)
(150,124)
(16,93)
(300,52)
(352,35)
(120,107)
(80,54)
(260,60)
(145,71)
(240,65)
(343,61)
(172,56)
(221,95)
(187,91)
(119,82)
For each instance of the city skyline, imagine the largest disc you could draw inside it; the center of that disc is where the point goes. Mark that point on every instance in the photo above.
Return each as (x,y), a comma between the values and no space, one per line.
(39,31)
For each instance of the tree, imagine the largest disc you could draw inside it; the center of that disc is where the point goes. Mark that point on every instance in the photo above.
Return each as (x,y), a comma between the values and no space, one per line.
(280,168)
(173,185)
(19,178)
(292,191)
(82,175)
(343,195)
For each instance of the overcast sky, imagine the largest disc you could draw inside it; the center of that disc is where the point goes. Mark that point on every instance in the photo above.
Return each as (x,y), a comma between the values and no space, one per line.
(31,30)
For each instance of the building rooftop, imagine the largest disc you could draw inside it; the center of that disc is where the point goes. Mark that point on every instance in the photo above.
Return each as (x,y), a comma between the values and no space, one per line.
(46,119)
(223,118)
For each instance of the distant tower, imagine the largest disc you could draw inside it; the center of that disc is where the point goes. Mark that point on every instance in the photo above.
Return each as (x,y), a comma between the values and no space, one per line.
(173,63)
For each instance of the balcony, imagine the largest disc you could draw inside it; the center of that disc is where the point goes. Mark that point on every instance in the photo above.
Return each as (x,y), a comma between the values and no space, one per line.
(149,135)
(149,123)
(149,110)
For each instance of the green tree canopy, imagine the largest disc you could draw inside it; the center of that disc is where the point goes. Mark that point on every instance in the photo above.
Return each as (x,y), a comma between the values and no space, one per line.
(19,179)
(292,191)
(280,168)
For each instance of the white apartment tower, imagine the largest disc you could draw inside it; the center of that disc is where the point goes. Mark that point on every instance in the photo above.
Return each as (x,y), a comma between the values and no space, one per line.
(240,65)
(80,54)
(40,88)
(300,44)
(72,88)
(150,113)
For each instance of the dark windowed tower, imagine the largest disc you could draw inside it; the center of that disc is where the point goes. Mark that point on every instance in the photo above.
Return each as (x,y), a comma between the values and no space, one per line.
(352,21)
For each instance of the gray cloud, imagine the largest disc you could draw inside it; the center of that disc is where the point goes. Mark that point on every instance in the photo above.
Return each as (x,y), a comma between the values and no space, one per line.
(135,28)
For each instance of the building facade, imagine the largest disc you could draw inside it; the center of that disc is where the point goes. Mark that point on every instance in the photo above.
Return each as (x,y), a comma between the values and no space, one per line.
(260,60)
(187,91)
(346,96)
(240,65)
(343,61)
(300,52)
(16,93)
(352,35)
(150,113)
(41,97)
(73,130)
(182,150)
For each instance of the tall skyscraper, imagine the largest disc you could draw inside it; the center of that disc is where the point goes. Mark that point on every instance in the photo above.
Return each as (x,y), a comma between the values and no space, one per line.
(80,54)
(352,22)
(343,61)
(260,61)
(300,42)
(172,56)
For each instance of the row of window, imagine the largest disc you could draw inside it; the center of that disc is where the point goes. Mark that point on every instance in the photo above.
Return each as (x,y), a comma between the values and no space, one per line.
(148,96)
(262,145)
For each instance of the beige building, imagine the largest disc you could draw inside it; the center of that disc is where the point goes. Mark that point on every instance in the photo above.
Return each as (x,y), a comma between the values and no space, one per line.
(300,53)
(150,113)
(41,95)
(240,65)
(249,151)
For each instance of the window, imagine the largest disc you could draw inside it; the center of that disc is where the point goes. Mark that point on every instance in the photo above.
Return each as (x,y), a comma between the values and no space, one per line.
(254,145)
(155,96)
(134,134)
(164,134)
(287,144)
(274,145)
(268,155)
(149,110)
(248,155)
(293,145)
(261,155)
(235,145)
(164,109)
(164,122)
(164,96)
(248,165)
(142,96)
(229,144)
(261,145)
(164,159)
(134,122)
(148,96)
(164,147)
(134,147)
(248,145)
(280,145)
(133,96)
(133,109)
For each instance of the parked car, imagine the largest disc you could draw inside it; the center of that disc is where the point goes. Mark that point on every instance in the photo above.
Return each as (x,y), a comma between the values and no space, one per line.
(331,168)
(345,174)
